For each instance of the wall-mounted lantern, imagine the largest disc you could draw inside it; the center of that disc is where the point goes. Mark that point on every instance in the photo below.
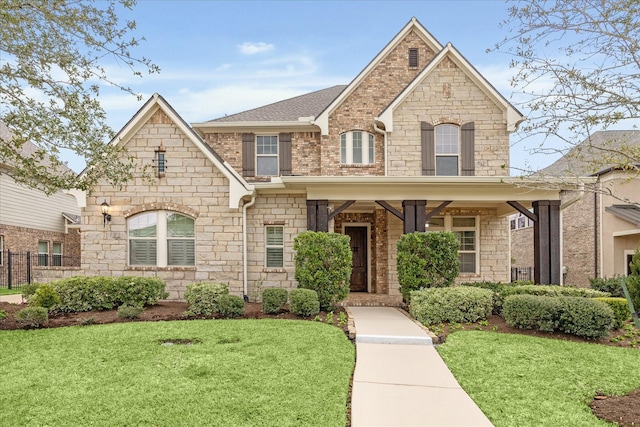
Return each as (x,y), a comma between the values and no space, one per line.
(105,213)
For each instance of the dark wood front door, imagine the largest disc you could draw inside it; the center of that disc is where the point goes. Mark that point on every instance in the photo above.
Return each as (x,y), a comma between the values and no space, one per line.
(359,250)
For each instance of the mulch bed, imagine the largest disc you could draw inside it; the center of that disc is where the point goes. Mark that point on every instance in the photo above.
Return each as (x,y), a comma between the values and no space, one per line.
(623,410)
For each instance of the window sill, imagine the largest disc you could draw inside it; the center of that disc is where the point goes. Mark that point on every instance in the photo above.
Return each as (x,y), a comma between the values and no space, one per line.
(156,268)
(357,165)
(274,270)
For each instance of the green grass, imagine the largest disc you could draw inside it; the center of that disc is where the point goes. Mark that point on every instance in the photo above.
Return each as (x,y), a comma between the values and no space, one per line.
(242,373)
(13,291)
(520,380)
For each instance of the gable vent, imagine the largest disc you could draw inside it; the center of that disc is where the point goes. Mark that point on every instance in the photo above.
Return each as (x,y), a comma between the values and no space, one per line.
(413,58)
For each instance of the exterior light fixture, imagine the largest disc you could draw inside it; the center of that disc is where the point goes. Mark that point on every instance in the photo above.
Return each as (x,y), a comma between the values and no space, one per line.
(105,213)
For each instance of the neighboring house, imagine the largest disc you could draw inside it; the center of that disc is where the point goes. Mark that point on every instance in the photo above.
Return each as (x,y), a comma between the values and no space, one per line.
(600,232)
(47,227)
(419,138)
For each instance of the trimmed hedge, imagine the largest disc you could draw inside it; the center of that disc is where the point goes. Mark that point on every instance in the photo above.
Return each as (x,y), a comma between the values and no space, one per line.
(82,293)
(456,304)
(304,302)
(427,260)
(551,291)
(231,305)
(323,264)
(620,307)
(495,287)
(203,298)
(610,285)
(274,300)
(44,296)
(584,317)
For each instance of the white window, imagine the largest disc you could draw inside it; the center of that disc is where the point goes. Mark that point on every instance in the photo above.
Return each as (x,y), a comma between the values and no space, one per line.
(43,253)
(1,249)
(56,257)
(267,155)
(447,150)
(161,162)
(274,246)
(161,238)
(465,229)
(356,148)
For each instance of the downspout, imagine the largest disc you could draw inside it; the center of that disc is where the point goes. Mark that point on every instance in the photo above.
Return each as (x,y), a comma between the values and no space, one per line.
(245,283)
(383,132)
(564,206)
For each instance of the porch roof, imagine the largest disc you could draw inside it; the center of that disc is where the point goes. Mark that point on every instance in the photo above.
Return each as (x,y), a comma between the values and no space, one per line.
(461,190)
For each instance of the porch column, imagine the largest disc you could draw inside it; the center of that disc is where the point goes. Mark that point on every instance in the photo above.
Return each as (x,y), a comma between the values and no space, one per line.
(414,215)
(317,215)
(546,242)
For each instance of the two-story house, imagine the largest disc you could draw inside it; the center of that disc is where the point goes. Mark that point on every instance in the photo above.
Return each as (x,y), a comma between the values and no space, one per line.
(419,140)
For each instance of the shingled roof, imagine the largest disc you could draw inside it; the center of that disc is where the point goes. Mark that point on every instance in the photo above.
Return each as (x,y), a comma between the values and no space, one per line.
(598,154)
(307,105)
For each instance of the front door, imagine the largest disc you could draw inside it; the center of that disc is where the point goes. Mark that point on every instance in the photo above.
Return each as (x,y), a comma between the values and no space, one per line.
(359,250)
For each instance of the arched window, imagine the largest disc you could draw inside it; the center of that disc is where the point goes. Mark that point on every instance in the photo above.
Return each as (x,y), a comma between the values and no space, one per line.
(447,150)
(356,148)
(161,238)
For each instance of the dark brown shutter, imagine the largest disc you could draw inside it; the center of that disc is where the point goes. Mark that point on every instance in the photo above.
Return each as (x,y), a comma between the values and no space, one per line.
(428,148)
(468,149)
(284,153)
(248,154)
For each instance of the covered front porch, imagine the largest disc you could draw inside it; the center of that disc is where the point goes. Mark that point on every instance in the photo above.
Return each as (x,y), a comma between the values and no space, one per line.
(376,211)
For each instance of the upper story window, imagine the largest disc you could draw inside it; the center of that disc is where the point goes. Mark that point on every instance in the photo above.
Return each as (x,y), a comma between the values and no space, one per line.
(356,148)
(267,155)
(160,161)
(447,150)
(161,238)
(518,221)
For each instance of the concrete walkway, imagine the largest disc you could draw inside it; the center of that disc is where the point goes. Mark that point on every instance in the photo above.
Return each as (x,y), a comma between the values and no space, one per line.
(400,380)
(13,299)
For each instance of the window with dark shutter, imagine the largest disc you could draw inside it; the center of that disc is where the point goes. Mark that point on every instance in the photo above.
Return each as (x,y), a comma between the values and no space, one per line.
(427,142)
(467,149)
(285,154)
(248,154)
(413,58)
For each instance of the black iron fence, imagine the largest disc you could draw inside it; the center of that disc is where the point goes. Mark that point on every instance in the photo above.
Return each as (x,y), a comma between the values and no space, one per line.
(521,273)
(16,268)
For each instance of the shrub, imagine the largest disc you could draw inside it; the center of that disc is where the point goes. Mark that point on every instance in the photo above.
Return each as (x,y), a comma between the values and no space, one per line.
(44,296)
(495,287)
(620,308)
(230,305)
(33,317)
(608,285)
(274,300)
(456,304)
(323,264)
(304,302)
(585,317)
(126,311)
(3,314)
(579,316)
(427,260)
(532,312)
(29,289)
(203,298)
(82,293)
(633,280)
(551,291)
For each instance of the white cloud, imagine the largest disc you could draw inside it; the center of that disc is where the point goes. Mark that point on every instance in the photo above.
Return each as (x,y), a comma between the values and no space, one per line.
(248,48)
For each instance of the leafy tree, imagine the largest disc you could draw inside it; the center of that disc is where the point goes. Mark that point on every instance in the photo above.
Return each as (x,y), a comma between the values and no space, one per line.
(53,56)
(633,280)
(323,264)
(577,68)
(427,260)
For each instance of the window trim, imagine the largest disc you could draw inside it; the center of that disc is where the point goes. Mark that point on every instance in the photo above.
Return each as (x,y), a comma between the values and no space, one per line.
(43,255)
(161,238)
(268,246)
(457,154)
(367,148)
(276,155)
(56,258)
(448,226)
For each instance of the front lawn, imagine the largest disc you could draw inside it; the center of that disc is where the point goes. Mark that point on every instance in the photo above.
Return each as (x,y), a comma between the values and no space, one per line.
(12,291)
(520,380)
(235,373)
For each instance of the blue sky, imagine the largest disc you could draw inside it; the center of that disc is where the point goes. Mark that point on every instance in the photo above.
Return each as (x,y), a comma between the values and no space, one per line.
(223,57)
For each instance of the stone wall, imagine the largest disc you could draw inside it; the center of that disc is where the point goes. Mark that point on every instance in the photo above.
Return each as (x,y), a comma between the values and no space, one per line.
(447,95)
(191,185)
